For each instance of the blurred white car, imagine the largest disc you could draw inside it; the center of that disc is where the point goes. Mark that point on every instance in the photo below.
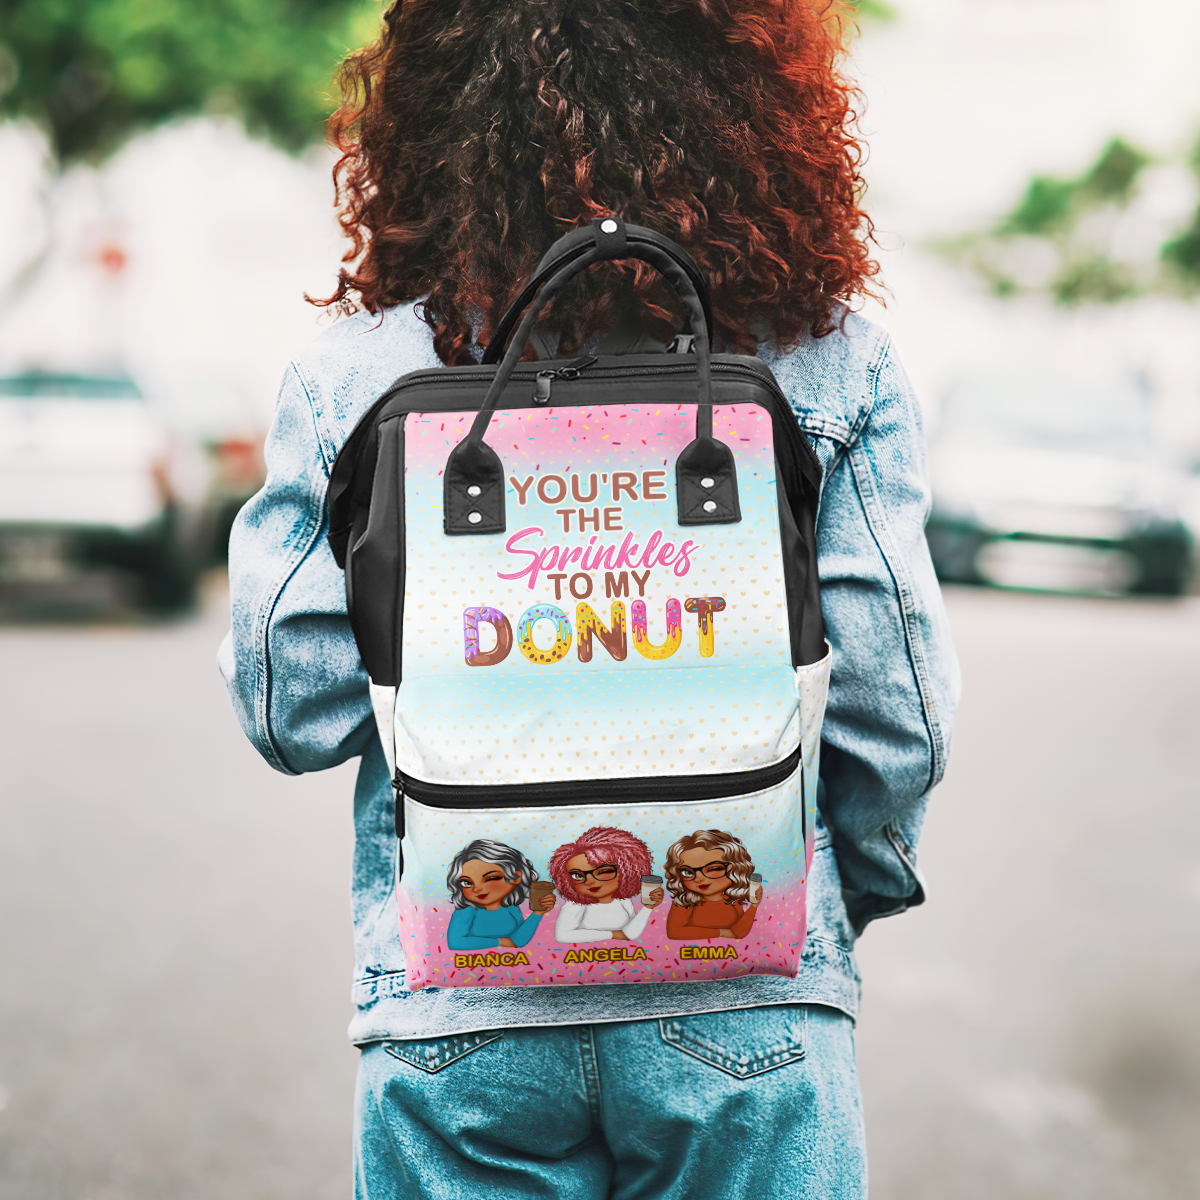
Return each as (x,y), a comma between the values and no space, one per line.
(94,486)
(1046,484)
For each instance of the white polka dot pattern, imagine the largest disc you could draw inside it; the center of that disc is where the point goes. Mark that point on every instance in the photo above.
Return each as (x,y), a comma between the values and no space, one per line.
(673,723)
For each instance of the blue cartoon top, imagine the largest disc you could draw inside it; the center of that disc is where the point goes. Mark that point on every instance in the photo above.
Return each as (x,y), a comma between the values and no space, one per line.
(474,928)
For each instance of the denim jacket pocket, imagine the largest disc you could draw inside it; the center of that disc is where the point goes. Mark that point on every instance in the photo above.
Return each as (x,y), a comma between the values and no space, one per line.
(433,1054)
(742,1042)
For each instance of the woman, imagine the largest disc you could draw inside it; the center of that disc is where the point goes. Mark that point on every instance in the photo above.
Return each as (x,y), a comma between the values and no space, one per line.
(708,876)
(597,875)
(488,883)
(473,134)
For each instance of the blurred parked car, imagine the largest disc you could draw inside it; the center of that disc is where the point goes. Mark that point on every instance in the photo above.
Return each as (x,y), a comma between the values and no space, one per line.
(95,490)
(237,471)
(1042,483)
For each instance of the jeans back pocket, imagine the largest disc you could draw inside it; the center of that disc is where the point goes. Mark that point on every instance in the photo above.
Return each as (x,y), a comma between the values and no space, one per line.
(432,1054)
(741,1042)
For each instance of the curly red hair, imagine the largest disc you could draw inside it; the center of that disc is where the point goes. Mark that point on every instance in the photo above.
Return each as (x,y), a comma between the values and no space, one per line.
(473,134)
(599,845)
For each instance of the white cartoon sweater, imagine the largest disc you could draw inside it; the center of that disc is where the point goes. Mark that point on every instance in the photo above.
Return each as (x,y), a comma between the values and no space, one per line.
(596,922)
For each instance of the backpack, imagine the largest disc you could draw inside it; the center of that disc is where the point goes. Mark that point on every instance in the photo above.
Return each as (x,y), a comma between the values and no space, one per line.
(585,592)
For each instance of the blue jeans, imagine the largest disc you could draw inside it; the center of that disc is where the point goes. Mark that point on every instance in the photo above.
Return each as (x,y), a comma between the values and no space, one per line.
(754,1103)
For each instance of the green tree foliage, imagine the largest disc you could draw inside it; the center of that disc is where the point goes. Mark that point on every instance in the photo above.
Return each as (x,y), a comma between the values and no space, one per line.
(1181,254)
(1050,204)
(874,10)
(1059,238)
(93,72)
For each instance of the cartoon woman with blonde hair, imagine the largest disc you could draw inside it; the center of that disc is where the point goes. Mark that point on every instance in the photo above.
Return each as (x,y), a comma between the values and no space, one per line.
(708,875)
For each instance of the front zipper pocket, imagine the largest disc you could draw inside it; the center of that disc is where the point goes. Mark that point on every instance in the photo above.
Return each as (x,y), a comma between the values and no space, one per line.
(511,887)
(678,789)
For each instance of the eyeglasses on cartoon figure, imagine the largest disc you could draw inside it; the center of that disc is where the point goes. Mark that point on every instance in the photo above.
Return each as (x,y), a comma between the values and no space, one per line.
(602,873)
(714,870)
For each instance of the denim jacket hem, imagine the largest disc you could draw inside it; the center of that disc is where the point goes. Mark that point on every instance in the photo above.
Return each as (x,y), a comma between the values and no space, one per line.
(385,1012)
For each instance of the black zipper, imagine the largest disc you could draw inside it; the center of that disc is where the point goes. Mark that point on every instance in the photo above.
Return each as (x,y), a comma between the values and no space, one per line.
(799,469)
(447,376)
(543,380)
(653,789)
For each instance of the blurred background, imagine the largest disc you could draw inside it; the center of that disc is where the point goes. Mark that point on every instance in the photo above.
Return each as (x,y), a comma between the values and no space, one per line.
(173,915)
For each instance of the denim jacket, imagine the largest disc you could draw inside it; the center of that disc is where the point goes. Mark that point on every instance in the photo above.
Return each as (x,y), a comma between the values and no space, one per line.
(300,691)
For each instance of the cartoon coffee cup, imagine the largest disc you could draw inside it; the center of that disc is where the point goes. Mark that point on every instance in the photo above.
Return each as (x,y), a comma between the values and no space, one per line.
(539,891)
(650,885)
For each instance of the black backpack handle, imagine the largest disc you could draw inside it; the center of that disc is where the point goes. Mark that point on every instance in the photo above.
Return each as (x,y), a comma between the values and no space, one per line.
(706,478)
(569,247)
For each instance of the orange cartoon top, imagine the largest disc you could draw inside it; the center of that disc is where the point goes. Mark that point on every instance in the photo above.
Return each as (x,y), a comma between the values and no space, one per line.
(708,919)
(708,875)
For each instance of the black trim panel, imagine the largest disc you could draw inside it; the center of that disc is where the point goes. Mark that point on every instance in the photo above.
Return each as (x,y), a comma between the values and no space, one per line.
(655,789)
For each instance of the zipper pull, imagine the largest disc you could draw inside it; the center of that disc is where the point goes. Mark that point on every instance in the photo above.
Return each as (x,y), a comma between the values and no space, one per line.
(572,369)
(543,381)
(398,785)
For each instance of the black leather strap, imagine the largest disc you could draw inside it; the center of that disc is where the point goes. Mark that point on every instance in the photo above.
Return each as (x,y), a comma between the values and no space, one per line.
(706,478)
(571,246)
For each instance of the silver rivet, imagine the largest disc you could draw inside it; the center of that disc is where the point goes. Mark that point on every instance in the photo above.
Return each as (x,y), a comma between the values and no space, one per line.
(707,483)
(475,517)
(710,506)
(609,226)
(474,490)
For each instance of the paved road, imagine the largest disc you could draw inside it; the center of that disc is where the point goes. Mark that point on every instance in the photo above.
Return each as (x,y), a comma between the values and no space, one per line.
(1032,1033)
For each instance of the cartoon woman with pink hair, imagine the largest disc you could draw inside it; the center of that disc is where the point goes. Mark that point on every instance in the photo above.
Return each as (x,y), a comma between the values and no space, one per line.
(597,875)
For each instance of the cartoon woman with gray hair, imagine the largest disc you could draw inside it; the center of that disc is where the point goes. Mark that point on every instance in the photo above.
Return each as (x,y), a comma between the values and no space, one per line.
(488,883)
